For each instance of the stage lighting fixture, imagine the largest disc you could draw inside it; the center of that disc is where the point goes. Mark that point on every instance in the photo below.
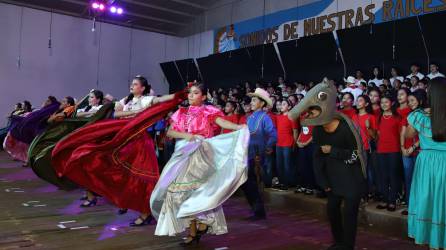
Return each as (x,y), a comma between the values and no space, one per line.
(119,11)
(95,5)
(113,9)
(101,6)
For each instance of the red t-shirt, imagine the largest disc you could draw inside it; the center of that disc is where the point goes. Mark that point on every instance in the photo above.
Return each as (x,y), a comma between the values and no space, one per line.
(272,116)
(404,112)
(244,119)
(285,127)
(305,134)
(232,118)
(350,113)
(389,129)
(409,142)
(377,113)
(364,133)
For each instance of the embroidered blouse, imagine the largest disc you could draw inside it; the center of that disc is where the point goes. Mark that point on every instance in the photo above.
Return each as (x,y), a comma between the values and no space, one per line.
(197,120)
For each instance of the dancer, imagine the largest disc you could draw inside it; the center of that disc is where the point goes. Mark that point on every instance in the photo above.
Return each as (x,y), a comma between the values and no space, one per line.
(339,160)
(261,144)
(202,173)
(427,202)
(116,158)
(39,154)
(23,132)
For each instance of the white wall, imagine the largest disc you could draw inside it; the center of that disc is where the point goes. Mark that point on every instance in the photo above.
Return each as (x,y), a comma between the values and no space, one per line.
(72,66)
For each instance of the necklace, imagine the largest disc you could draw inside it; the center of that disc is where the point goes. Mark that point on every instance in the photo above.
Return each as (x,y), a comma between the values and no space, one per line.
(191,116)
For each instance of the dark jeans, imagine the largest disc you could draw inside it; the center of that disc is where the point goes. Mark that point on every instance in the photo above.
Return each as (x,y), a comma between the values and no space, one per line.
(267,174)
(306,171)
(252,192)
(343,224)
(284,165)
(390,175)
(409,165)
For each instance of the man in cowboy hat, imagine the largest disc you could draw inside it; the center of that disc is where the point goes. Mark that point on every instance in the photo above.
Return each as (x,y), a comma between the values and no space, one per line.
(263,138)
(352,88)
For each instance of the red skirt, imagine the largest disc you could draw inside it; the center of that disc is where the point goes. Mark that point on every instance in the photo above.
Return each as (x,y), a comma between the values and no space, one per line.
(114,158)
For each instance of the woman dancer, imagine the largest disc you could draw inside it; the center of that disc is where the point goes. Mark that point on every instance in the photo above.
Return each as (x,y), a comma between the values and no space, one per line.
(23,132)
(201,175)
(116,158)
(427,202)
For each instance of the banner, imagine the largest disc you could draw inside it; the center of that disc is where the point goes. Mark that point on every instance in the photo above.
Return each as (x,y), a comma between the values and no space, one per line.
(316,18)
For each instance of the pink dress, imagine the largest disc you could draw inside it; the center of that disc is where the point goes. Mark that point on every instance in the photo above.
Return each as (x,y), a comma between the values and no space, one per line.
(197,120)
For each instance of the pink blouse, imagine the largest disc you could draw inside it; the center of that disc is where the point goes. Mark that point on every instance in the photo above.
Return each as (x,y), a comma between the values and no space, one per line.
(197,120)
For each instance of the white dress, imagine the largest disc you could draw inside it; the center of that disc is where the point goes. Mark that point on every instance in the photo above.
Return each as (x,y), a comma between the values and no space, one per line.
(137,103)
(197,180)
(91,111)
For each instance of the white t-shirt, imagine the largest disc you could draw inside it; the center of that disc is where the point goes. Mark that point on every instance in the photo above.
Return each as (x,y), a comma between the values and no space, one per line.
(432,76)
(136,103)
(356,92)
(394,78)
(419,75)
(303,92)
(91,111)
(358,81)
(378,82)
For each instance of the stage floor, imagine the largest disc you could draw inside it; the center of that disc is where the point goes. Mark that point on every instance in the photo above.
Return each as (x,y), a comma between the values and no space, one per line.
(35,215)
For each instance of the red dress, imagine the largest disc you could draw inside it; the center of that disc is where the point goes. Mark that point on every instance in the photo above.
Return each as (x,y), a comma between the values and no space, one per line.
(114,158)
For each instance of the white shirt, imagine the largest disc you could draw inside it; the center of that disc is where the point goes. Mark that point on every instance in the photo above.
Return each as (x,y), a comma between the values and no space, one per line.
(419,75)
(136,103)
(378,82)
(432,76)
(395,78)
(91,111)
(303,92)
(356,92)
(358,81)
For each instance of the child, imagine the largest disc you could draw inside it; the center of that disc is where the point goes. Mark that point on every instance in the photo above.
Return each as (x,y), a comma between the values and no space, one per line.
(389,154)
(286,136)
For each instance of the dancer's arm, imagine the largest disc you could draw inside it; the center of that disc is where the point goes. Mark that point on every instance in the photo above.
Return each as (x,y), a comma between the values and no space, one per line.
(181,135)
(163,98)
(228,125)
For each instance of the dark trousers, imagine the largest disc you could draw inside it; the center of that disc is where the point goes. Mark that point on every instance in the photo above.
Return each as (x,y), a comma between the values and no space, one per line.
(268,168)
(284,165)
(343,224)
(252,192)
(306,171)
(390,175)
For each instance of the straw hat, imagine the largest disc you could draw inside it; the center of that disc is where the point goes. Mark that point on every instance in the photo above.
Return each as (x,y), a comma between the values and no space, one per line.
(262,94)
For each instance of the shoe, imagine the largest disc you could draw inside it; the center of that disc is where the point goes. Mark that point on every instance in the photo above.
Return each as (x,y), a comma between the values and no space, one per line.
(203,232)
(83,198)
(405,212)
(380,206)
(256,218)
(144,222)
(122,211)
(308,192)
(283,188)
(89,203)
(391,208)
(299,190)
(190,240)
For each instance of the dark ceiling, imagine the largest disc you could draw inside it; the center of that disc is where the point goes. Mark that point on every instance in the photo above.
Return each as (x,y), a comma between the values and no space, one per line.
(162,16)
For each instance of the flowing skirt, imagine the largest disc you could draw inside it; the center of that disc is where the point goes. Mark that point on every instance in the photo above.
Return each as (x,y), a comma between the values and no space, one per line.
(39,154)
(16,149)
(427,204)
(197,180)
(114,158)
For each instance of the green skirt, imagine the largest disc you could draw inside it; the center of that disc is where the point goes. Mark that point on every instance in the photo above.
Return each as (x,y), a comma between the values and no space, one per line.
(40,150)
(427,203)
